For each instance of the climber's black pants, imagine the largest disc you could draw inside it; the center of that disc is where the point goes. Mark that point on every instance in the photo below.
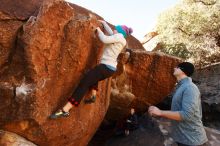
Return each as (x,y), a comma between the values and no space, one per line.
(90,80)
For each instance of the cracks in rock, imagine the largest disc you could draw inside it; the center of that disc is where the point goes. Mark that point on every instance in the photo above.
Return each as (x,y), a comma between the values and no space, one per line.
(1,48)
(76,21)
(12,52)
(153,66)
(82,18)
(65,29)
(14,19)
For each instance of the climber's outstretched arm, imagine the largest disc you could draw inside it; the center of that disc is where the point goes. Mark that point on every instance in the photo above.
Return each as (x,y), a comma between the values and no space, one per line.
(107,39)
(106,27)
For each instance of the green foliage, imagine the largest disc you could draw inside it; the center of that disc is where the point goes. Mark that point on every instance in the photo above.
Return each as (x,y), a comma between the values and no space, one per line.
(178,50)
(194,24)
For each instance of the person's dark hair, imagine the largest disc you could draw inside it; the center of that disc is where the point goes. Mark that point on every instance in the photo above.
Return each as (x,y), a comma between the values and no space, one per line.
(187,67)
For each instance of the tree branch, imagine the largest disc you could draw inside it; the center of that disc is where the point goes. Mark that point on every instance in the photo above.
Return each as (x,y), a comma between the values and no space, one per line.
(207,4)
(183,31)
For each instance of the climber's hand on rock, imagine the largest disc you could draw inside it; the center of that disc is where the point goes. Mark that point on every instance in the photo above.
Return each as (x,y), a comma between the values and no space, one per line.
(154,111)
(102,21)
(127,55)
(95,29)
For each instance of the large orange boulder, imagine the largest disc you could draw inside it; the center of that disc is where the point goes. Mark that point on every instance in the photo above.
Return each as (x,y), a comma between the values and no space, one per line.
(147,79)
(48,56)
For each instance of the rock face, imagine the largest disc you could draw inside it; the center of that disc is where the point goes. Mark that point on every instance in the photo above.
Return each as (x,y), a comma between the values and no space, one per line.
(45,49)
(11,139)
(20,10)
(146,80)
(43,60)
(208,82)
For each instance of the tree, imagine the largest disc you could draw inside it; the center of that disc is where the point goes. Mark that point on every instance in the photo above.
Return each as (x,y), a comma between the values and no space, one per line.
(193,28)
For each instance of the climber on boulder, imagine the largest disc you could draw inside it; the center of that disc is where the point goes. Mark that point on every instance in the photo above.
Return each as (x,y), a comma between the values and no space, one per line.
(114,42)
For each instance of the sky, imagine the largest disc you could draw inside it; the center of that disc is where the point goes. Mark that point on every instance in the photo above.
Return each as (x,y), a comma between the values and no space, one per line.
(141,15)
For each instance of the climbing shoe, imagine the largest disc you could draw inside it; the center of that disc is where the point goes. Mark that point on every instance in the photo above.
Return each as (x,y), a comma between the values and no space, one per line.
(59,114)
(90,100)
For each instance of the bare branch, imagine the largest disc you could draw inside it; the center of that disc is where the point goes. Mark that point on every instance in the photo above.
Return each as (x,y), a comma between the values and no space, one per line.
(183,31)
(206,3)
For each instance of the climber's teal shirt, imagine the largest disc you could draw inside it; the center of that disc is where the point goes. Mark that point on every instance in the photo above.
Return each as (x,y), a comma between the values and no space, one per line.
(186,99)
